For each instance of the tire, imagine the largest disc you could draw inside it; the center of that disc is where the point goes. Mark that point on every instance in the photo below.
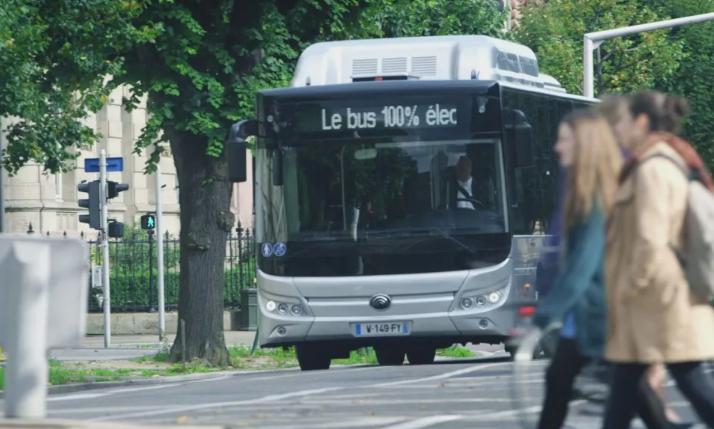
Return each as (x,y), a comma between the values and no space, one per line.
(421,355)
(312,358)
(389,356)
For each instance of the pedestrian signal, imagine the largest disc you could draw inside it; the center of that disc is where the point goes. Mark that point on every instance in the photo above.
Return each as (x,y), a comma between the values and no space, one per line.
(148,221)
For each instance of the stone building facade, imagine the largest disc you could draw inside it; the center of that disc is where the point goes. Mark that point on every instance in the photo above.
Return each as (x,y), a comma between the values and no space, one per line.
(48,202)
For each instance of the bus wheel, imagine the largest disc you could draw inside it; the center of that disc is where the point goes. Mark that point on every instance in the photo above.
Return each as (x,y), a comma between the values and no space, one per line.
(311,358)
(421,355)
(389,355)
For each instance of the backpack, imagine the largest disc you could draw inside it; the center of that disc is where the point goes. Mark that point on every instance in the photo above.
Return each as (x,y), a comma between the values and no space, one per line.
(697,253)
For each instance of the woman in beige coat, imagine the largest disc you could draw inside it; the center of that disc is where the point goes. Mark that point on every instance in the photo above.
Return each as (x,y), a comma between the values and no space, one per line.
(652,316)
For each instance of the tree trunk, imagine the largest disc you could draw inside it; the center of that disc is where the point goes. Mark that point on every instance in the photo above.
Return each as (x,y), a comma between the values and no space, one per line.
(206,219)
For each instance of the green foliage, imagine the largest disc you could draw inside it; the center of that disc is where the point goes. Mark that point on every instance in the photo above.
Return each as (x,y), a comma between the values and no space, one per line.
(456,351)
(679,60)
(399,18)
(694,79)
(555,32)
(54,57)
(134,288)
(363,356)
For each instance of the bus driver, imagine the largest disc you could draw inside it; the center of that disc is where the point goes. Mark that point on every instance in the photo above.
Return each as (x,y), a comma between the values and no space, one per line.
(464,184)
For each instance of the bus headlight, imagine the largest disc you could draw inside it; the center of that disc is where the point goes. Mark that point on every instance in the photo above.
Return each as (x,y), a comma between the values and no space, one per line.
(494,297)
(296,310)
(285,308)
(482,300)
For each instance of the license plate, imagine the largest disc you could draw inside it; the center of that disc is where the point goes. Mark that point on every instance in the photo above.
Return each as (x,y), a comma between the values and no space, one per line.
(381,329)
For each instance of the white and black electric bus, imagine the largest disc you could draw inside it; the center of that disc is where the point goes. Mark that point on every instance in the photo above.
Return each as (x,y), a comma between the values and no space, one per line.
(401,191)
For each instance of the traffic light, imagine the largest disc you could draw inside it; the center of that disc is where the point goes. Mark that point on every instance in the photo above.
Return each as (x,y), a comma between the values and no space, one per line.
(115,229)
(113,189)
(93,218)
(148,221)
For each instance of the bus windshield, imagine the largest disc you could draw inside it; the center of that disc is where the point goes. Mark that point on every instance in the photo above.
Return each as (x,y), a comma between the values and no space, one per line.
(375,202)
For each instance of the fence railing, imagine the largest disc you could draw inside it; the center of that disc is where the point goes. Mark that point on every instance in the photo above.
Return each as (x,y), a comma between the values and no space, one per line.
(133,273)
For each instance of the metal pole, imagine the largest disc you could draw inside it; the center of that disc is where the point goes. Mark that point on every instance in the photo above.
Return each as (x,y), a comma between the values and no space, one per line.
(593,40)
(588,82)
(2,185)
(105,247)
(151,264)
(160,254)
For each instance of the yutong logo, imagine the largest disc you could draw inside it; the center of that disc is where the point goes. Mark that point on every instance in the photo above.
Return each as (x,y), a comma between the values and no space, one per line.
(380,302)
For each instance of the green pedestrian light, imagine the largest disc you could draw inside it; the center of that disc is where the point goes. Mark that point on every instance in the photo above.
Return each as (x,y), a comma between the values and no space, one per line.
(148,221)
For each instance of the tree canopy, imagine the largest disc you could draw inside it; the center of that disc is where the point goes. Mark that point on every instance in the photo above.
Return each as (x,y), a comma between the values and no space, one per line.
(199,68)
(679,60)
(555,32)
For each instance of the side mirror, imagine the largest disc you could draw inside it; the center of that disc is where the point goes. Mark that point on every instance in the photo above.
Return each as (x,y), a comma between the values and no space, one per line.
(521,134)
(236,149)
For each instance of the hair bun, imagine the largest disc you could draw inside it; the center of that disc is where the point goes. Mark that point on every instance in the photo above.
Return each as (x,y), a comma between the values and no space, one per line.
(675,109)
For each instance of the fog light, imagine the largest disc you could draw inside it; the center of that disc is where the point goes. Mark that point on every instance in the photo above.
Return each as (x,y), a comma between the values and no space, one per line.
(483,323)
(480,300)
(270,305)
(467,303)
(281,330)
(283,308)
(296,309)
(494,297)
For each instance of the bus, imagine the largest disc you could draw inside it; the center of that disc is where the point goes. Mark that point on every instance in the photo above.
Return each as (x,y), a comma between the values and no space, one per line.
(402,190)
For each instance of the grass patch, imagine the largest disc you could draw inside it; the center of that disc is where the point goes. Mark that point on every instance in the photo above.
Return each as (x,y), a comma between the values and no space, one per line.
(241,357)
(60,373)
(364,356)
(160,357)
(456,352)
(159,365)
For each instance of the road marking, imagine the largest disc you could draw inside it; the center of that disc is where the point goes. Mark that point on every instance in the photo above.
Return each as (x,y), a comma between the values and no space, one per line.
(117,391)
(279,397)
(197,407)
(75,396)
(443,376)
(424,422)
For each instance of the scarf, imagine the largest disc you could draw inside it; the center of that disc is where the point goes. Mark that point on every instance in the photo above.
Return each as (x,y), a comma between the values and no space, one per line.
(691,158)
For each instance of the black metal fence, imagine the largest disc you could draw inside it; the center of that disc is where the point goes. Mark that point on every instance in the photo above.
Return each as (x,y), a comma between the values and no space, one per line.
(133,273)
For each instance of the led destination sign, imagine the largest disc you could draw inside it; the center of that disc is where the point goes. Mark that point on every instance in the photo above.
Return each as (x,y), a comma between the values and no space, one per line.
(380,116)
(389,116)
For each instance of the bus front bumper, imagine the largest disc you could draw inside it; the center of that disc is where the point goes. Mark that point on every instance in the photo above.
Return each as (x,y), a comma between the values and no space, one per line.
(455,326)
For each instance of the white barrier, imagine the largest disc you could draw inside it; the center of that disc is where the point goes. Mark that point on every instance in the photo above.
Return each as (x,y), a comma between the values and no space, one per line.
(43,304)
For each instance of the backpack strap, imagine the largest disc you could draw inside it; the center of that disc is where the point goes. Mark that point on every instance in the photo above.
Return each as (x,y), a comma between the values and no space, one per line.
(688,173)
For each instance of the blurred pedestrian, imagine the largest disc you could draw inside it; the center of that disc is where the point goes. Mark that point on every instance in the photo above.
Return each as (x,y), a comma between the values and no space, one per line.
(590,158)
(616,109)
(652,315)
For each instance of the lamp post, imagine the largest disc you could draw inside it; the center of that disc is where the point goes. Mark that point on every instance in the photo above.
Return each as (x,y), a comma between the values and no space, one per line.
(592,41)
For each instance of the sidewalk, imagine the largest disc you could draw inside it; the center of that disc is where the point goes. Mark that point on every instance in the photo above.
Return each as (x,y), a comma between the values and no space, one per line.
(133,346)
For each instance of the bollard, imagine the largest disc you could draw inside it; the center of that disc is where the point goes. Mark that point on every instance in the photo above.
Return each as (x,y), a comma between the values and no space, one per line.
(26,277)
(42,305)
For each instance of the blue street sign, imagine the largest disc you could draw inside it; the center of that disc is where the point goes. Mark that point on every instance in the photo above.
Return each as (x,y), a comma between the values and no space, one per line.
(91,165)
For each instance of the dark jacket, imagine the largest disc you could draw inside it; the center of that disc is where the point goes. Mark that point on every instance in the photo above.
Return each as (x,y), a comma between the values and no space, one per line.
(579,286)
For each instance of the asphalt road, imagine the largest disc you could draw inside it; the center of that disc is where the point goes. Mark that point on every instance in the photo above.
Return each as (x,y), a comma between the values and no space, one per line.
(449,394)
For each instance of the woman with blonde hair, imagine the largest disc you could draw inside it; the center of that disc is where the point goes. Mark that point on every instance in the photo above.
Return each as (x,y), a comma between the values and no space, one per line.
(591,160)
